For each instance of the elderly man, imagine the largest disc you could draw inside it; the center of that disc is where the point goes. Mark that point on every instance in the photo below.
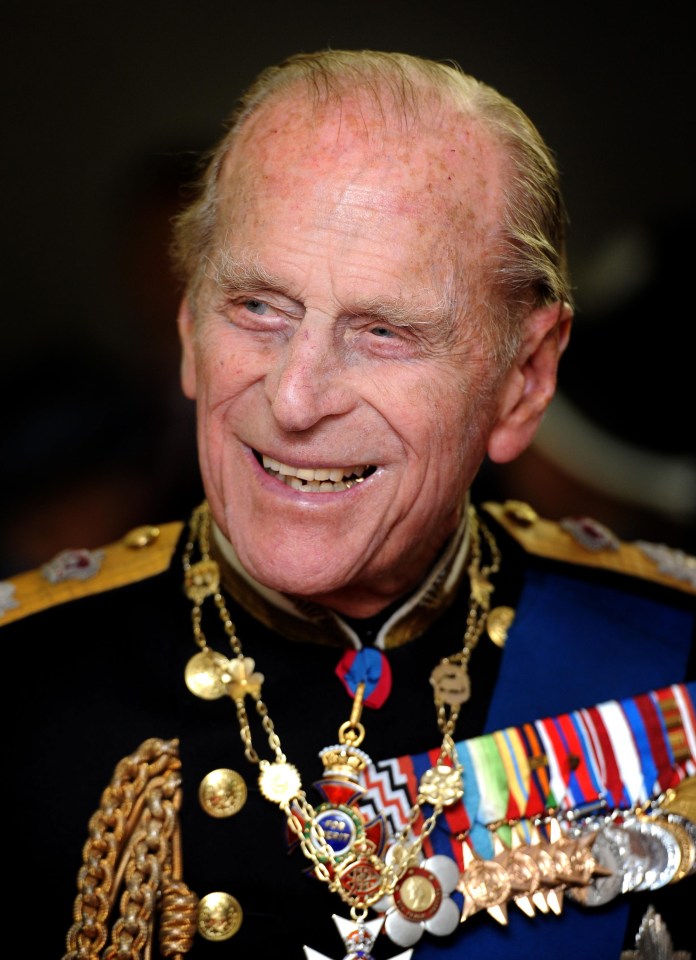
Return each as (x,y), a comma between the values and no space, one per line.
(376,299)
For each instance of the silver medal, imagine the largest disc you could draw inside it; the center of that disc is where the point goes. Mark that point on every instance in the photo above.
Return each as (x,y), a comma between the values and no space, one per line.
(635,854)
(665,856)
(690,828)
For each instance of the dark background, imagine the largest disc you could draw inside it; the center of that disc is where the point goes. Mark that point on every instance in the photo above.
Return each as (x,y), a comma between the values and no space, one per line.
(104,108)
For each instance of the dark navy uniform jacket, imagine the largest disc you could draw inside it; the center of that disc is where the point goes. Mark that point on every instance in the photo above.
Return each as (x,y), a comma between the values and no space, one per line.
(95,667)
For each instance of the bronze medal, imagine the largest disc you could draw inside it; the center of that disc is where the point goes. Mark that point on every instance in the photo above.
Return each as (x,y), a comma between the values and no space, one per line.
(544,898)
(486,886)
(602,889)
(522,870)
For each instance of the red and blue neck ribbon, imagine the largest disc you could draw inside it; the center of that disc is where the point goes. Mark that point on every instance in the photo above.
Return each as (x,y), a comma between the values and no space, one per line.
(368,666)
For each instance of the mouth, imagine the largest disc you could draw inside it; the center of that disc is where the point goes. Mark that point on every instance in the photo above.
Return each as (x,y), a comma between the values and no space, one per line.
(316,479)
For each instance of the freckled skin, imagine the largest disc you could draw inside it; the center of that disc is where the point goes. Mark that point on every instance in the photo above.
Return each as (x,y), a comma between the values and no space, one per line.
(338,216)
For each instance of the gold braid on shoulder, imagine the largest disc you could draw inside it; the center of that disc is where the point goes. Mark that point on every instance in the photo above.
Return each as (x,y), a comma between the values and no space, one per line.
(134,849)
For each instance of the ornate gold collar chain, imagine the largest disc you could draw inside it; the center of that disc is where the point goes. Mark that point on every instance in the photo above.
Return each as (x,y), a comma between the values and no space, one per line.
(360,874)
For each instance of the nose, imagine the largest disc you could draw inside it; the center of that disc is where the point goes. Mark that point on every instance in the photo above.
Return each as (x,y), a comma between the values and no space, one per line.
(308,379)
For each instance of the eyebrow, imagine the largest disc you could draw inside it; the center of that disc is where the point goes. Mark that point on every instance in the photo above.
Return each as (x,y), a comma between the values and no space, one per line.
(244,273)
(403,313)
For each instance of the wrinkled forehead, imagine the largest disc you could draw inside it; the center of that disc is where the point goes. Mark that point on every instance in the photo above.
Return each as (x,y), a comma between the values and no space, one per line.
(432,160)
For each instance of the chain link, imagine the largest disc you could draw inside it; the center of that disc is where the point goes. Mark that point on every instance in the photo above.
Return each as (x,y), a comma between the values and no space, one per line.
(133,842)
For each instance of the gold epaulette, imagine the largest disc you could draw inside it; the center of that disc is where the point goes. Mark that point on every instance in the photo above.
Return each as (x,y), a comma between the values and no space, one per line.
(143,552)
(587,542)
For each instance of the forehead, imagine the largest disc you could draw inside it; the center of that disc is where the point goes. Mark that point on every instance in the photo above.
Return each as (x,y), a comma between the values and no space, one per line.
(441,165)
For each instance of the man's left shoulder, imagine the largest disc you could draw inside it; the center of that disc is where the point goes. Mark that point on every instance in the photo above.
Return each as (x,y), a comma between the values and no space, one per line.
(74,574)
(587,542)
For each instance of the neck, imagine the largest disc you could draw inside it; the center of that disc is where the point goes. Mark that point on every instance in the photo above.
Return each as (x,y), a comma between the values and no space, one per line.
(357,603)
(411,611)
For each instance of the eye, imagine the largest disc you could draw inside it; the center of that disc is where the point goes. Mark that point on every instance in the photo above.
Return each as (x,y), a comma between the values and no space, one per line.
(385,332)
(256,306)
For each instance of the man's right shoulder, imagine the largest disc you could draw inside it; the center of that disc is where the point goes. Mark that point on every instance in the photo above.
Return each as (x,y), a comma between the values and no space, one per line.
(143,552)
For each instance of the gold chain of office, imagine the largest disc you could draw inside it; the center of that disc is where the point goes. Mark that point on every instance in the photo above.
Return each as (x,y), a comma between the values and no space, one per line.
(210,674)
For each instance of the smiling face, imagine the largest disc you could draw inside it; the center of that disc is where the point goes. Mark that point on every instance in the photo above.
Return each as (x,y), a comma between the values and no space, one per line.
(344,402)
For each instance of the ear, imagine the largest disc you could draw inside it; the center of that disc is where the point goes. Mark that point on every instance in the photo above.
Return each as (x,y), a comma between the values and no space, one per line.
(186,323)
(530,383)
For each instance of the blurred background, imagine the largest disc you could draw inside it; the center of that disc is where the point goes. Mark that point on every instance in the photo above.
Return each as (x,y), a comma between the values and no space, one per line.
(106,107)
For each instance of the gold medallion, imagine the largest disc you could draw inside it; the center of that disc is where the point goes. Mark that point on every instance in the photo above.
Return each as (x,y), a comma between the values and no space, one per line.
(279,782)
(219,916)
(451,683)
(418,895)
(205,674)
(222,793)
(441,785)
(498,623)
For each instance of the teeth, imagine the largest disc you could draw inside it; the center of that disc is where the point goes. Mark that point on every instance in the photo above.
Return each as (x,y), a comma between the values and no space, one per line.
(305,474)
(319,480)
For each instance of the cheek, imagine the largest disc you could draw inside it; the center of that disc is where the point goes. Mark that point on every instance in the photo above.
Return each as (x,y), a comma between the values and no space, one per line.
(456,431)
(444,407)
(431,424)
(222,372)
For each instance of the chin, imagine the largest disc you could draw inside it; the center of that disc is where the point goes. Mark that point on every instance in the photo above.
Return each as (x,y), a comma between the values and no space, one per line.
(301,583)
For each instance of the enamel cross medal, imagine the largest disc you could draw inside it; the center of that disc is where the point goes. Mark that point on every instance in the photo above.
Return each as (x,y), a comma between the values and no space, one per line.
(353,841)
(358,938)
